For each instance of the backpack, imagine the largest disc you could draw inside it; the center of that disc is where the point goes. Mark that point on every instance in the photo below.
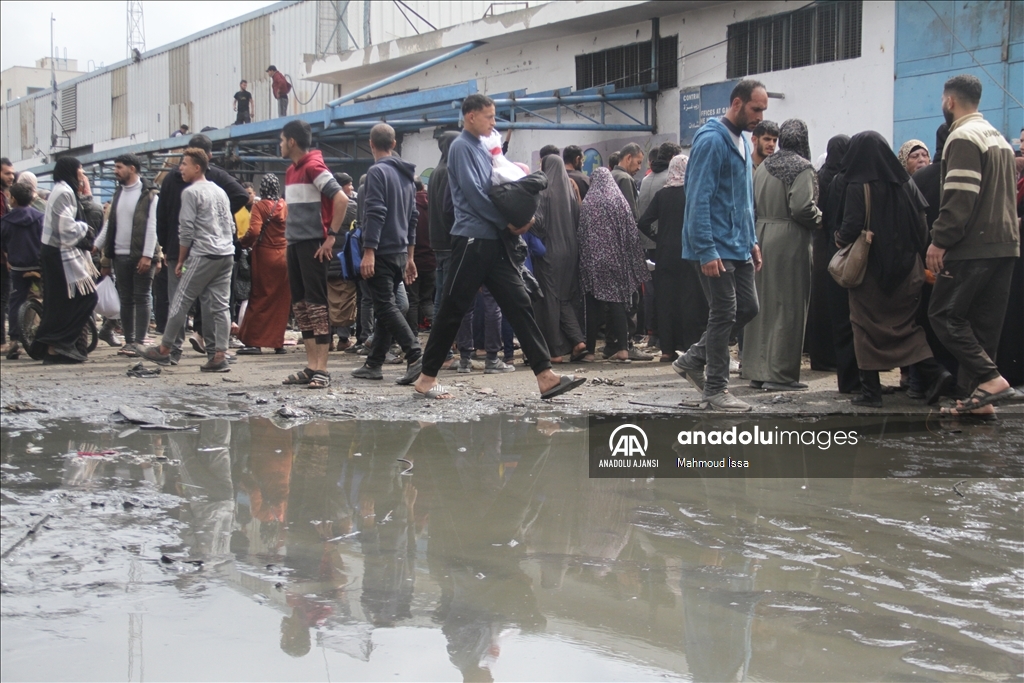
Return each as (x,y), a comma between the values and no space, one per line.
(351,255)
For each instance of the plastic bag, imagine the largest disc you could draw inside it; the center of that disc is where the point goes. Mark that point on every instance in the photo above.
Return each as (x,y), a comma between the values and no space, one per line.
(502,170)
(108,303)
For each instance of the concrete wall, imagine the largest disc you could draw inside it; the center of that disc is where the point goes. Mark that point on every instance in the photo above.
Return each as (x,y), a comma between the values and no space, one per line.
(838,97)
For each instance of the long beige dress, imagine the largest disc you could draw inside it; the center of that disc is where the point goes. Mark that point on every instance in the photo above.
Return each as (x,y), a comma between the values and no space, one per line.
(786,216)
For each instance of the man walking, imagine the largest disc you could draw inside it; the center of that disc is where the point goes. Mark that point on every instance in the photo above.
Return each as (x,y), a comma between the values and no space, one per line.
(281,87)
(316,209)
(243,104)
(389,239)
(718,233)
(130,242)
(480,258)
(205,258)
(167,225)
(975,242)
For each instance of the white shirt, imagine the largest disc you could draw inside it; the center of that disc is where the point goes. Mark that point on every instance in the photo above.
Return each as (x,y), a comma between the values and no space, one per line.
(129,199)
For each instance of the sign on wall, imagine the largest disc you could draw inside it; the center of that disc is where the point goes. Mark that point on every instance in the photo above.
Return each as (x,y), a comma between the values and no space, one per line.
(698,104)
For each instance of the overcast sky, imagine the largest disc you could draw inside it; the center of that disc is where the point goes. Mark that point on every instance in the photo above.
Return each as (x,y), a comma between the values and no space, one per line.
(98,30)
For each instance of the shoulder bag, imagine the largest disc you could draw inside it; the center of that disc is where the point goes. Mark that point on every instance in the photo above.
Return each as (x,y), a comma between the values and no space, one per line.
(850,263)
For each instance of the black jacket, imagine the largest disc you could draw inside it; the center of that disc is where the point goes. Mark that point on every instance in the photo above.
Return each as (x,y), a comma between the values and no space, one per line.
(139,219)
(439,224)
(170,204)
(389,206)
(21,237)
(667,208)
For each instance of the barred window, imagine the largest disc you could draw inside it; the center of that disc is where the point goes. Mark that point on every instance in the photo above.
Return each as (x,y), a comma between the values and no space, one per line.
(824,32)
(630,65)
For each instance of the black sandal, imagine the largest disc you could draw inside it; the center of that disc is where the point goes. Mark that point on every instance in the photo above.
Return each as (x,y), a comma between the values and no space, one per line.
(303,376)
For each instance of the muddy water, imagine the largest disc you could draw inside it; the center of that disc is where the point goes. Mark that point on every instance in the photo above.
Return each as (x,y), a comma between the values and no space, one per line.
(265,550)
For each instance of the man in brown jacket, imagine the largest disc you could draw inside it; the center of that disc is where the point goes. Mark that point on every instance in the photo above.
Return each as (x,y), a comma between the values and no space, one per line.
(975,241)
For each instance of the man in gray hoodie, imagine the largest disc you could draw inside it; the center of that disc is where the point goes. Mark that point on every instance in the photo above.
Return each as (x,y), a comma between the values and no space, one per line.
(389,238)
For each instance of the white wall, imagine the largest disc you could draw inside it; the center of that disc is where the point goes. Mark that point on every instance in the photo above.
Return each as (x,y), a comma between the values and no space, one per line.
(149,98)
(839,97)
(93,111)
(214,71)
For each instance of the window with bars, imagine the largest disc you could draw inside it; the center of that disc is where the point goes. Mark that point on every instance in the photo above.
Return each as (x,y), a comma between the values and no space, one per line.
(630,65)
(824,32)
(69,108)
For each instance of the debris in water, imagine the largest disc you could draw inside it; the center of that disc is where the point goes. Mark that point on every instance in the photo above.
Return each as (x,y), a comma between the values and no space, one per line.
(141,371)
(29,533)
(289,412)
(142,416)
(956,490)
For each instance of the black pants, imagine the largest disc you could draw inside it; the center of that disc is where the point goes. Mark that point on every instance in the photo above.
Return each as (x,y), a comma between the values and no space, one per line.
(616,337)
(421,299)
(477,262)
(842,337)
(5,293)
(967,309)
(160,301)
(388,322)
(929,370)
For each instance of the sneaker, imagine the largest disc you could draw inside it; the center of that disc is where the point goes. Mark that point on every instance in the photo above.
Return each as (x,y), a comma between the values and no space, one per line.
(497,366)
(465,366)
(236,343)
(152,353)
(107,335)
(212,366)
(175,357)
(364,350)
(693,372)
(726,403)
(637,354)
(366,372)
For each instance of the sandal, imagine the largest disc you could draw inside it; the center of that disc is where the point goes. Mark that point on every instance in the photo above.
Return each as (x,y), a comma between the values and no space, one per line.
(321,379)
(13,351)
(434,392)
(979,399)
(301,377)
(565,383)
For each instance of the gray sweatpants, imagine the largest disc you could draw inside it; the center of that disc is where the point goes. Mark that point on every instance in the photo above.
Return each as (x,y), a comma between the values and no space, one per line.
(209,280)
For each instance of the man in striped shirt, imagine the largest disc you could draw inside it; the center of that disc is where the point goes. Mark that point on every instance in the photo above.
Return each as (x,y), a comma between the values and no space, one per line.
(316,209)
(975,241)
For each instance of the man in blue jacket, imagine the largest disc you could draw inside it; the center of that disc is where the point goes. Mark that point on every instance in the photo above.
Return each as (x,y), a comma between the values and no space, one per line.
(718,234)
(389,238)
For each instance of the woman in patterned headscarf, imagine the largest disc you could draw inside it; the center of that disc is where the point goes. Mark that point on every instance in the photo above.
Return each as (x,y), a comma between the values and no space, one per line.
(914,156)
(270,301)
(678,298)
(785,195)
(612,264)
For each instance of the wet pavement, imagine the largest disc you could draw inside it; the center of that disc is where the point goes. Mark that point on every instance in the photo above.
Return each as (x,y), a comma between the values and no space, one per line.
(297,548)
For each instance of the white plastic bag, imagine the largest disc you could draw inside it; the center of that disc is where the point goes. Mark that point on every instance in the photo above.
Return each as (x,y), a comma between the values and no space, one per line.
(108,303)
(502,170)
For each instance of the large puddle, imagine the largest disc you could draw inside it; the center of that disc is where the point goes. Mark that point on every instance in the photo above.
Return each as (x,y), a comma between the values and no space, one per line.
(255,549)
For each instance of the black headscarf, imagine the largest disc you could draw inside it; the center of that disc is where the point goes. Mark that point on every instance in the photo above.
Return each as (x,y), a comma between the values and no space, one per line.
(834,154)
(897,208)
(66,169)
(941,134)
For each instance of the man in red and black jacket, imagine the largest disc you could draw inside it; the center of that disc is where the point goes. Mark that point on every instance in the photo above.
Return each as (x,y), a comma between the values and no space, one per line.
(281,87)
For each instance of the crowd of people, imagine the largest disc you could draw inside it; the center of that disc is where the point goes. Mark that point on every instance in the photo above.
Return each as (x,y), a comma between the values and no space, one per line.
(729,245)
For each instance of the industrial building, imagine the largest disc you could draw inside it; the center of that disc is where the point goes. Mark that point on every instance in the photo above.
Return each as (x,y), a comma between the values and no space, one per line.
(596,74)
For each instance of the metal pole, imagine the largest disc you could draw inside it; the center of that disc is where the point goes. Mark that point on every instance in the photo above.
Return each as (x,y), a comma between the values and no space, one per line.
(53,86)
(402,74)
(367,38)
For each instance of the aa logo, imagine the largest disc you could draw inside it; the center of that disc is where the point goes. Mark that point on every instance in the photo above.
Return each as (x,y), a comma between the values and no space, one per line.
(628,443)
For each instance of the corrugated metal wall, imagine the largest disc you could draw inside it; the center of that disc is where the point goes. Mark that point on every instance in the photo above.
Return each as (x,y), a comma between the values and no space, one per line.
(292,37)
(148,99)
(194,83)
(94,120)
(214,72)
(10,136)
(43,117)
(255,60)
(119,103)
(179,111)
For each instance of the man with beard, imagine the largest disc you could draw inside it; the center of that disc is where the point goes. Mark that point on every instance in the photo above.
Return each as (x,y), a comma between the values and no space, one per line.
(718,233)
(764,138)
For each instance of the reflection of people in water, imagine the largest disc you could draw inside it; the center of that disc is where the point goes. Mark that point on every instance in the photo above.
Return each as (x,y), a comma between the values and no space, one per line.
(306,614)
(481,511)
(206,482)
(387,502)
(263,488)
